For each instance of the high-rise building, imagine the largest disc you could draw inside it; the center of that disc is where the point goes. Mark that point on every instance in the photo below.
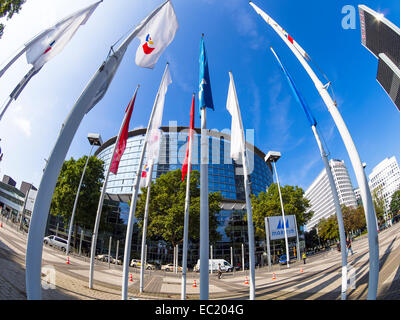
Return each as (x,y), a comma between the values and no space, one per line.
(357,193)
(385,180)
(320,195)
(26,186)
(382,38)
(10,181)
(224,176)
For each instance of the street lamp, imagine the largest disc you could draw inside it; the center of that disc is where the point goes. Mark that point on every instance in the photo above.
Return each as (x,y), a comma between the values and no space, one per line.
(274,156)
(94,140)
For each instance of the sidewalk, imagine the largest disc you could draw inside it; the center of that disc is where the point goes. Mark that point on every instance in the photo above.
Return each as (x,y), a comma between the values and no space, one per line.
(320,277)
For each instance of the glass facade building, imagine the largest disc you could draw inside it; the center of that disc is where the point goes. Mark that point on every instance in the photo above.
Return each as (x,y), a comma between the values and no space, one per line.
(224,175)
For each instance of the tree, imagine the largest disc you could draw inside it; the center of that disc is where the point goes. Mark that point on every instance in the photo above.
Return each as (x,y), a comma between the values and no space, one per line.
(353,218)
(328,228)
(268,204)
(9,8)
(67,186)
(167,209)
(395,203)
(379,204)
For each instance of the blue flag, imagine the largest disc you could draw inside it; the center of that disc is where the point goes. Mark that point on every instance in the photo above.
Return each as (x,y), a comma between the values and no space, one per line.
(296,92)
(205,95)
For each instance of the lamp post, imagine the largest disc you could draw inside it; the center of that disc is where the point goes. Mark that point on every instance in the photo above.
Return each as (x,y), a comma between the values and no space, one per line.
(94,140)
(274,156)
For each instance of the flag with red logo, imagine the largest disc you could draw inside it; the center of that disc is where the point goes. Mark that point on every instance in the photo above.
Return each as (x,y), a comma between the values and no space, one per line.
(185,166)
(145,177)
(156,36)
(53,40)
(123,137)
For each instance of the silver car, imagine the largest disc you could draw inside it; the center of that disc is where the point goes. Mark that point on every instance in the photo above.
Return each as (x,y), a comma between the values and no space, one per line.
(57,242)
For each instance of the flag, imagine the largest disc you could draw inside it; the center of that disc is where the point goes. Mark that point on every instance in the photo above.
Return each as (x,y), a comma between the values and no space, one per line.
(190,138)
(156,36)
(296,92)
(237,137)
(123,137)
(154,134)
(282,32)
(205,94)
(52,41)
(145,177)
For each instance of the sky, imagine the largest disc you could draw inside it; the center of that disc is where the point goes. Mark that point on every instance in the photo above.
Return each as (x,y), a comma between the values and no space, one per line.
(237,40)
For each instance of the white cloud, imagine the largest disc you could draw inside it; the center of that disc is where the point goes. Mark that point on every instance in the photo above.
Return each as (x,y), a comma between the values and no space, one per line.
(24,125)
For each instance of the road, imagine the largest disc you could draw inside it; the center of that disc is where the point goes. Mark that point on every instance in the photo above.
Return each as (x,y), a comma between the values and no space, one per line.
(319,279)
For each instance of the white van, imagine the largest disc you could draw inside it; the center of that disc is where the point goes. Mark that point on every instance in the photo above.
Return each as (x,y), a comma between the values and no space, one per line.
(56,242)
(213,265)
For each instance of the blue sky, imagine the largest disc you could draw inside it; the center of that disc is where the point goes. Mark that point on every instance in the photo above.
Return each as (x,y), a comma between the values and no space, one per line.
(237,40)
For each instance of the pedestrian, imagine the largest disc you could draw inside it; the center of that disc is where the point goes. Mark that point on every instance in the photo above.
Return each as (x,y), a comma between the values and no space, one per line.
(348,246)
(338,245)
(219,271)
(304,257)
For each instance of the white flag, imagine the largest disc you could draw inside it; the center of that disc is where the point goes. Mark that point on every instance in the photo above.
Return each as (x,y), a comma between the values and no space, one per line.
(52,41)
(232,104)
(146,178)
(155,134)
(156,36)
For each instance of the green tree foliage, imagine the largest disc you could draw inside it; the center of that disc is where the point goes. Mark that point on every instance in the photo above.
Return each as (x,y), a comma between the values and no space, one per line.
(167,208)
(395,203)
(311,238)
(67,186)
(353,220)
(328,228)
(7,9)
(379,205)
(268,204)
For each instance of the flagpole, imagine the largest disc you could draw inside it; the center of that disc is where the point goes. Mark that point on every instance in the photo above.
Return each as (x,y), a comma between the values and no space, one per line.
(103,192)
(18,89)
(283,216)
(132,209)
(204,159)
(41,35)
(11,62)
(329,173)
(352,152)
(204,214)
(144,232)
(76,201)
(37,66)
(250,226)
(339,214)
(187,205)
(41,209)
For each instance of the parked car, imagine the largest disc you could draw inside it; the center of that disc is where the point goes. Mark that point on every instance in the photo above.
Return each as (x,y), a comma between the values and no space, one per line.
(119,260)
(56,242)
(105,257)
(283,260)
(135,263)
(150,266)
(170,267)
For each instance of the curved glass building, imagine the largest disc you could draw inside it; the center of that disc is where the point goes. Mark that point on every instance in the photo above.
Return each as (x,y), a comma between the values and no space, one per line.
(224,176)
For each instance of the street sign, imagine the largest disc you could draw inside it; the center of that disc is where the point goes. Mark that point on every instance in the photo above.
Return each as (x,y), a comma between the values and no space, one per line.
(276,227)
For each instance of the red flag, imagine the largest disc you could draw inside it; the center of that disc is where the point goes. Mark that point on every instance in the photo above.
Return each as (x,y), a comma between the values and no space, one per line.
(123,137)
(191,132)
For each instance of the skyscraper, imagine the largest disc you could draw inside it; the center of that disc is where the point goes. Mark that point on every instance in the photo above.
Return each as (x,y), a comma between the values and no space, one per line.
(385,180)
(320,194)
